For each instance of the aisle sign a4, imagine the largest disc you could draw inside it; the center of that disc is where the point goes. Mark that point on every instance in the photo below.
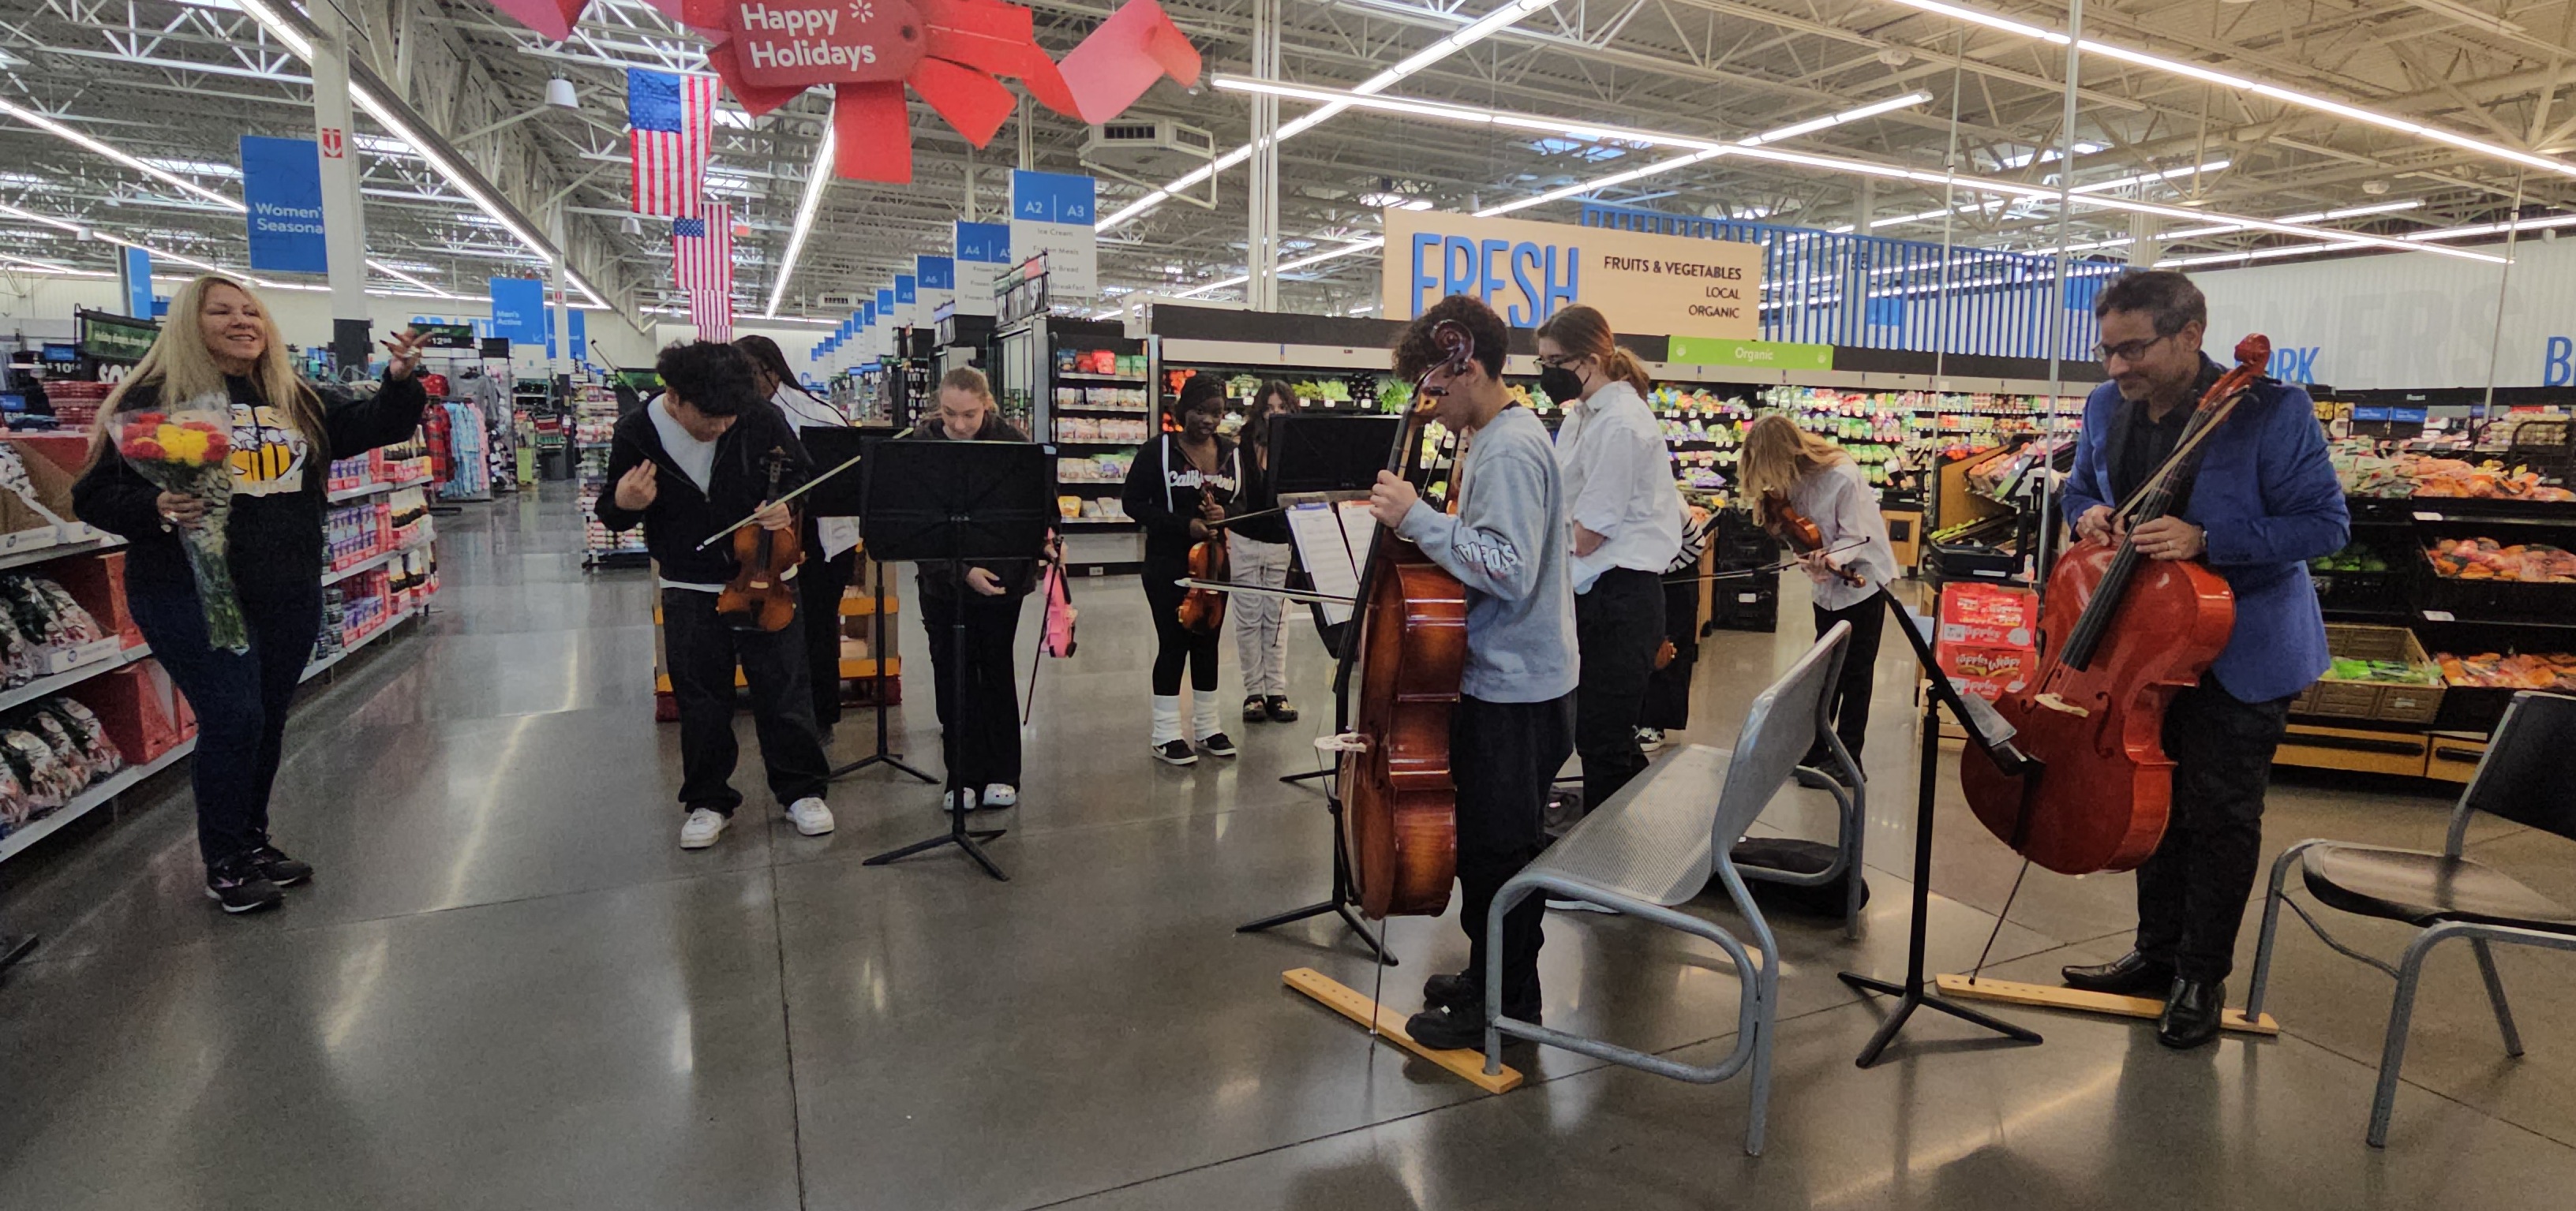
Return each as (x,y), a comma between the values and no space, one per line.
(983,252)
(1646,285)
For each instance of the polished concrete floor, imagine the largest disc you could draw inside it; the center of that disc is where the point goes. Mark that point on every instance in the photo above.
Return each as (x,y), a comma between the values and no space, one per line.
(510,989)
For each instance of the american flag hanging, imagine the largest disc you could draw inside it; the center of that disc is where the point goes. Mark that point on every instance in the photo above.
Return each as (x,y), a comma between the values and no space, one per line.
(673,122)
(702,250)
(712,312)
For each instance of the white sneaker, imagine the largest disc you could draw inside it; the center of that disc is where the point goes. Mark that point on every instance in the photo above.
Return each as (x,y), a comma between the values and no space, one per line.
(810,816)
(1649,739)
(1001,794)
(948,802)
(704,825)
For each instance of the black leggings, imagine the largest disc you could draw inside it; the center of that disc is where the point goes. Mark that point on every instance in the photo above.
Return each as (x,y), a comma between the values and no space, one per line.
(1174,644)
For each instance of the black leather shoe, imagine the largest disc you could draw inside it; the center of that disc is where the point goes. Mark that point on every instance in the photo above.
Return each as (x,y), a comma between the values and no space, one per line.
(1447,991)
(2130,975)
(2191,1013)
(1456,1027)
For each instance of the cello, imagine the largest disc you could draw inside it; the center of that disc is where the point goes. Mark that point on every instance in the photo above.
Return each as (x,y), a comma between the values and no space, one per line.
(2120,635)
(1407,649)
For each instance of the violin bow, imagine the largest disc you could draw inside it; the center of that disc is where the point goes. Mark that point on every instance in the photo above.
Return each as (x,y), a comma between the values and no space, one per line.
(802,489)
(1255,590)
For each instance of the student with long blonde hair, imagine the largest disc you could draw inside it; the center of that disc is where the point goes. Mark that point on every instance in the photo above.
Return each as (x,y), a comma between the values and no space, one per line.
(220,351)
(1822,483)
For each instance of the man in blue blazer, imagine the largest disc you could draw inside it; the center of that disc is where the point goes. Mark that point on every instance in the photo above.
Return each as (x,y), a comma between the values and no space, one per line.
(2263,502)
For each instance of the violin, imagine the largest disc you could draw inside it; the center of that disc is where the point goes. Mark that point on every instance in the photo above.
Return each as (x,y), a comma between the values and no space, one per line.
(2120,635)
(1799,532)
(1203,610)
(1407,649)
(760,596)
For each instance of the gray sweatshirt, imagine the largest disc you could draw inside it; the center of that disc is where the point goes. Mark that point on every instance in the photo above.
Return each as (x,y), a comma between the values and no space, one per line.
(1507,545)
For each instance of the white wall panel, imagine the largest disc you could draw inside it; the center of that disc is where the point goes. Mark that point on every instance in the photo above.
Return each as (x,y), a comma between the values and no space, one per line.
(2407,319)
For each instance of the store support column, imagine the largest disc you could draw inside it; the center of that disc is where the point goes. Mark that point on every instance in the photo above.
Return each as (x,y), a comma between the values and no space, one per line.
(560,323)
(343,218)
(1261,200)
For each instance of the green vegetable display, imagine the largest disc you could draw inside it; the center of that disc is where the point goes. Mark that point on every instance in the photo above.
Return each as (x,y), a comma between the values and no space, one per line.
(2394,672)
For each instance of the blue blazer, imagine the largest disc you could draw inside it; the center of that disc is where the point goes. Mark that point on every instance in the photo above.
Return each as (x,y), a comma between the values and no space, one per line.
(2269,501)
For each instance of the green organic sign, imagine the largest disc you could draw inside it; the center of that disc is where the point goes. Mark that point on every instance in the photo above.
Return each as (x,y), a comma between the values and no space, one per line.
(1759,355)
(116,338)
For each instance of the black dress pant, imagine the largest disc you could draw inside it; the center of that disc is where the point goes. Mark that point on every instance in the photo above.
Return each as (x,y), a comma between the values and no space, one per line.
(1502,756)
(980,736)
(819,583)
(1667,705)
(702,650)
(1176,646)
(241,698)
(1617,626)
(1859,674)
(2192,892)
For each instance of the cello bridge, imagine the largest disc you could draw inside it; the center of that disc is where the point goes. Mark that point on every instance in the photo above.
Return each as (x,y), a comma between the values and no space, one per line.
(1342,742)
(2055,703)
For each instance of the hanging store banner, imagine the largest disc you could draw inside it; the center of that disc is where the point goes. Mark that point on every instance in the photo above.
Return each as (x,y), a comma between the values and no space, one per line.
(907,301)
(1647,285)
(134,281)
(983,253)
(935,282)
(282,185)
(1052,213)
(519,310)
(1757,355)
(580,337)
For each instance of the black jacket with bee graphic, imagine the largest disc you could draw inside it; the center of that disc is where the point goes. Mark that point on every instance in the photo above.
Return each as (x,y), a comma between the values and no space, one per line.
(280,482)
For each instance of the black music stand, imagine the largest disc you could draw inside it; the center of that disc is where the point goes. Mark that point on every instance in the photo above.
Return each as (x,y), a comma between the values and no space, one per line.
(842,496)
(14,947)
(956,501)
(1987,731)
(1324,453)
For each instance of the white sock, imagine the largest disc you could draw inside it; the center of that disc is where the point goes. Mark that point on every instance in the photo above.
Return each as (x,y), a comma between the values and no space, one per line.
(1167,719)
(1203,713)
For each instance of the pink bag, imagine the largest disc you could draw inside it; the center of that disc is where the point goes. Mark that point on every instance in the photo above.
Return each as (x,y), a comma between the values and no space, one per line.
(1057,639)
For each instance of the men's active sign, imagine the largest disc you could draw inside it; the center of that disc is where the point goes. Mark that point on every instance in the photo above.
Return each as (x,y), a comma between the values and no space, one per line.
(1647,285)
(791,45)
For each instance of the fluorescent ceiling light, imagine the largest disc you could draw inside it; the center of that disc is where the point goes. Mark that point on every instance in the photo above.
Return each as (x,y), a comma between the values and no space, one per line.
(68,135)
(1333,253)
(2352,212)
(2013,189)
(2462,233)
(1770,136)
(2257,254)
(2145,178)
(1830,121)
(1475,31)
(818,177)
(1196,291)
(2210,75)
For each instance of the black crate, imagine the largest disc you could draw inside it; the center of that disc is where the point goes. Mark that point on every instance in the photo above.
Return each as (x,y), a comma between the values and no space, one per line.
(1747,604)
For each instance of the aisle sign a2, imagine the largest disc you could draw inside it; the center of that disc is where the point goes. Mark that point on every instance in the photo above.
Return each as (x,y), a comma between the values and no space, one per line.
(1051,213)
(1647,285)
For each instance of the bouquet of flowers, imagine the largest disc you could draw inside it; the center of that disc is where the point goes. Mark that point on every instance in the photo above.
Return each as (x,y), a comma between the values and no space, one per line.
(190,453)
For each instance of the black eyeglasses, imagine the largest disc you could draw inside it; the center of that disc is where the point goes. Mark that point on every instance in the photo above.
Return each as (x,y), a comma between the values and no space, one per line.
(1559,361)
(2129,351)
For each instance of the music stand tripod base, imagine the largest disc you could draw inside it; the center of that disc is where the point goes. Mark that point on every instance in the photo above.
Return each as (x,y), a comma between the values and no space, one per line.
(1466,1063)
(2053,996)
(14,947)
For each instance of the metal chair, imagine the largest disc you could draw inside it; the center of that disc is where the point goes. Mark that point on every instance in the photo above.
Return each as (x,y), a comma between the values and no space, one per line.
(2522,778)
(1851,810)
(1655,844)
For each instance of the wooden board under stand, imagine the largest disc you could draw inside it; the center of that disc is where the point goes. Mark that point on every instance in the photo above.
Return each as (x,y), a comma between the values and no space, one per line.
(2052,996)
(1466,1062)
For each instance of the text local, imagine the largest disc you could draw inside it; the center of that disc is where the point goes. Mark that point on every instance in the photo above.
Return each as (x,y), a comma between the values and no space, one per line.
(1457,265)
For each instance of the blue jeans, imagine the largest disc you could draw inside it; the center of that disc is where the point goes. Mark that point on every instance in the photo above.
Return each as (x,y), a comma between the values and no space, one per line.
(241,699)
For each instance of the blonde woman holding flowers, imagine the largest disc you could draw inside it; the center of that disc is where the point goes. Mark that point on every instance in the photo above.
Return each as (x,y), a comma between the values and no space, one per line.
(248,529)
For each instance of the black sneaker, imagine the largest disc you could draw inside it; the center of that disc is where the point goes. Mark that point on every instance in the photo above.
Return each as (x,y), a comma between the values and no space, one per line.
(278,868)
(1218,744)
(1446,991)
(1455,1027)
(239,886)
(1254,709)
(1279,710)
(1176,752)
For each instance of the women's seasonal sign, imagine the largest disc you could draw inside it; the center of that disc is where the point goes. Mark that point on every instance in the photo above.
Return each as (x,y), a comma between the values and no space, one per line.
(952,53)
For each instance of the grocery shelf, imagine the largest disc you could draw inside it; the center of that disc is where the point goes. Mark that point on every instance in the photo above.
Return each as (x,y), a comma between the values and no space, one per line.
(51,551)
(1075,377)
(98,794)
(56,683)
(361,490)
(377,560)
(316,668)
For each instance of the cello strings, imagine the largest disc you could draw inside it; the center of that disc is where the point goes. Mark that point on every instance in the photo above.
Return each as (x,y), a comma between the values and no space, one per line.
(1998,930)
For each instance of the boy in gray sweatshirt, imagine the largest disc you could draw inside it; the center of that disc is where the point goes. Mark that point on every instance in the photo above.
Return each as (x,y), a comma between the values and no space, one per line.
(1513,726)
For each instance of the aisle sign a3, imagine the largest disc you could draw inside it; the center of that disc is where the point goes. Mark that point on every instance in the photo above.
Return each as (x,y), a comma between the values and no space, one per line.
(983,252)
(1051,213)
(1647,285)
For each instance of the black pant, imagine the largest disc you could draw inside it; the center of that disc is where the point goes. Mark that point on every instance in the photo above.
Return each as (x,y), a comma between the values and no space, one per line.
(983,748)
(2192,891)
(1617,626)
(1667,704)
(818,606)
(702,651)
(1176,645)
(1502,756)
(241,698)
(1860,672)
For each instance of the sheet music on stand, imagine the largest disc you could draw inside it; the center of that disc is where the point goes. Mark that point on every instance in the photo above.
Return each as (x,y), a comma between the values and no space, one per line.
(1332,532)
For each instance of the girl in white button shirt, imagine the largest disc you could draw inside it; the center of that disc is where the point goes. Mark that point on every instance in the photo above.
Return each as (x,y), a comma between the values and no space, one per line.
(830,539)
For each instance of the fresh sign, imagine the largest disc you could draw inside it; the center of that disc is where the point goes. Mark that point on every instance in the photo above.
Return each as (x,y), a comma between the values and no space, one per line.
(1644,284)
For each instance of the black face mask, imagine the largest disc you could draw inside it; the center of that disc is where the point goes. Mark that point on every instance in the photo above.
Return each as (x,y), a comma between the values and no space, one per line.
(1562,385)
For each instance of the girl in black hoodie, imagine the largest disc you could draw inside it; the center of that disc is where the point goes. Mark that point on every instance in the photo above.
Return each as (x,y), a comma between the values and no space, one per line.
(220,350)
(1178,484)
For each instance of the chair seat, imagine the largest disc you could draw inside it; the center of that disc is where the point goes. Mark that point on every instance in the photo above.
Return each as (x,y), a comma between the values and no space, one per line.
(1650,841)
(2423,889)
